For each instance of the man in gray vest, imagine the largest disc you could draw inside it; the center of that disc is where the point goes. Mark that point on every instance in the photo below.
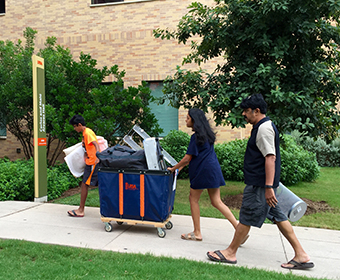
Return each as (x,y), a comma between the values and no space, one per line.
(262,165)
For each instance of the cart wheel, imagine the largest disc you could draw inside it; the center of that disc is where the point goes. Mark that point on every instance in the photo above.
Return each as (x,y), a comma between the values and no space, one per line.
(161,233)
(169,225)
(120,223)
(108,227)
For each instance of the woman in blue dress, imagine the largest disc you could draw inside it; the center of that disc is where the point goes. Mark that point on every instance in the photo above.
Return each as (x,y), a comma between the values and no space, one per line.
(204,171)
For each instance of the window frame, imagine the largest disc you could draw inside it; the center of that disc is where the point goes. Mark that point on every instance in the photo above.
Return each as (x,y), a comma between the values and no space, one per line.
(118,3)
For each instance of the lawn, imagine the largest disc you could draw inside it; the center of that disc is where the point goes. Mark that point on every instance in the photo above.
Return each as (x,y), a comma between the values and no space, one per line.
(27,260)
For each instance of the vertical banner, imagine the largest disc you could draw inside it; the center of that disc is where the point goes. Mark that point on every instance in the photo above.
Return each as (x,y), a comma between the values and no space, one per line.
(39,127)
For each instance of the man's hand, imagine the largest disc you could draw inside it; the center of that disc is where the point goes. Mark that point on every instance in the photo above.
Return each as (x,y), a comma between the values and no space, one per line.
(270,197)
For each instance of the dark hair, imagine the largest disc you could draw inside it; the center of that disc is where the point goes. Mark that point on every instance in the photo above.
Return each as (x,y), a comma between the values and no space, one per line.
(253,102)
(201,127)
(77,119)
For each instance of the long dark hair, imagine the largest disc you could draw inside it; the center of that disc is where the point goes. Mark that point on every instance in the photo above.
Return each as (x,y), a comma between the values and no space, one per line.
(201,127)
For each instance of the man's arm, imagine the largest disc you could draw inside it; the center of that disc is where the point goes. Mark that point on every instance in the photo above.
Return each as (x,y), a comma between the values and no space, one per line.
(270,174)
(95,144)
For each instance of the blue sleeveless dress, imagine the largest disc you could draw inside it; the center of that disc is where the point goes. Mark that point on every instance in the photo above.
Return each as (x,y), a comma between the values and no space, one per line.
(204,169)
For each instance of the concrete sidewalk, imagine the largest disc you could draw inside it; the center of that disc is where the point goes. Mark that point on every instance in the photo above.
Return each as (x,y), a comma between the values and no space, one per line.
(265,249)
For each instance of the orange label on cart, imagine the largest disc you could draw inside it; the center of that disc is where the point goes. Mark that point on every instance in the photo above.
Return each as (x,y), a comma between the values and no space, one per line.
(131,187)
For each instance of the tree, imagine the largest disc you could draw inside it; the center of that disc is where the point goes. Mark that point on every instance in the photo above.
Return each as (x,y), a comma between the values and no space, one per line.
(288,50)
(71,87)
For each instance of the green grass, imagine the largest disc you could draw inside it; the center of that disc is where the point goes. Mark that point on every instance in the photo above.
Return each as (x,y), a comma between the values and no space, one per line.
(325,188)
(27,260)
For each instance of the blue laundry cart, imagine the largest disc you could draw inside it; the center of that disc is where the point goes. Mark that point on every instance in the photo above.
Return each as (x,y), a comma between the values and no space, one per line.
(137,197)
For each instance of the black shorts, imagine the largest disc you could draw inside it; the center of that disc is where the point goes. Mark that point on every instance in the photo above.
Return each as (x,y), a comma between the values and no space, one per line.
(255,210)
(90,176)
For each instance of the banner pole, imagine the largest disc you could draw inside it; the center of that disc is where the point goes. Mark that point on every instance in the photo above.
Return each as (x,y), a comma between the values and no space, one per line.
(39,130)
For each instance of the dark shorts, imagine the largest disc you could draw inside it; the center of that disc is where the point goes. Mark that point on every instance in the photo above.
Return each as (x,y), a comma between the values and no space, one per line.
(90,176)
(255,210)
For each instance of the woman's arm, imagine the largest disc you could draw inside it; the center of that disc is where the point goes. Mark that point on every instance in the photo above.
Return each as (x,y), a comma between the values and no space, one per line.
(184,162)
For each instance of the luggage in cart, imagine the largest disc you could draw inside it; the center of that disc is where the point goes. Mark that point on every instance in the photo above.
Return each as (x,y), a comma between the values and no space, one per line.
(137,197)
(154,154)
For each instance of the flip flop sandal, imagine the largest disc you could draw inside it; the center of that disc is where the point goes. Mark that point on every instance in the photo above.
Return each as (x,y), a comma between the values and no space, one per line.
(74,214)
(190,236)
(298,265)
(222,258)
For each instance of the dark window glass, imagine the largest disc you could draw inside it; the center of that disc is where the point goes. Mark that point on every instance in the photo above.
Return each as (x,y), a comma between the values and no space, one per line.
(2,7)
(105,1)
(3,131)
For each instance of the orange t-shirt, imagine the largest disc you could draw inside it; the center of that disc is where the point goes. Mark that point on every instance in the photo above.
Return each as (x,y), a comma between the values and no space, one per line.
(88,138)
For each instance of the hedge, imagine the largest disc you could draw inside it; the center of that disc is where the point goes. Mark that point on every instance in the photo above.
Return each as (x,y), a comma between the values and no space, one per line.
(17,180)
(297,164)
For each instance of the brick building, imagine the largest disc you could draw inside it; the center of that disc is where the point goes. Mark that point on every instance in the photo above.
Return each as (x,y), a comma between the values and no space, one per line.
(113,32)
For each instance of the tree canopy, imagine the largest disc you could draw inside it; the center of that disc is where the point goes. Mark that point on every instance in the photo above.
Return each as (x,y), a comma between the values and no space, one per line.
(71,87)
(287,50)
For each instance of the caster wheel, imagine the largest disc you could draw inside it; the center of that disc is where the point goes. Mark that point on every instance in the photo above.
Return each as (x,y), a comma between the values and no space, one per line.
(169,225)
(120,223)
(161,233)
(108,227)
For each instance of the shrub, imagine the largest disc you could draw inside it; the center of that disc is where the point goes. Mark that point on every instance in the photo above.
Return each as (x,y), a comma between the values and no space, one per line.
(59,180)
(297,164)
(17,180)
(176,144)
(336,143)
(230,156)
(326,154)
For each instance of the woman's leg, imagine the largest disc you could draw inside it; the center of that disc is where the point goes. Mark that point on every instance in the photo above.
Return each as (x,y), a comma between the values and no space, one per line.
(215,198)
(194,198)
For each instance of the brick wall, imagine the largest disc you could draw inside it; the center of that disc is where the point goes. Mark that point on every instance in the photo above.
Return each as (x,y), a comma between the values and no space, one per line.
(9,146)
(120,33)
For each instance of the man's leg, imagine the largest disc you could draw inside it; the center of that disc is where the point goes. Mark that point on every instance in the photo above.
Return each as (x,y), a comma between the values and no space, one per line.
(287,230)
(81,209)
(83,196)
(239,236)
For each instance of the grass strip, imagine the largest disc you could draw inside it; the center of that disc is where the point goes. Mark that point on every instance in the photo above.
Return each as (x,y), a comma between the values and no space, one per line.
(27,260)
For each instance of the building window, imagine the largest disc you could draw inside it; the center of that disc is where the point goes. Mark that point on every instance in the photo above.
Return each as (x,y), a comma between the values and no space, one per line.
(166,115)
(2,7)
(105,1)
(95,3)
(3,131)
